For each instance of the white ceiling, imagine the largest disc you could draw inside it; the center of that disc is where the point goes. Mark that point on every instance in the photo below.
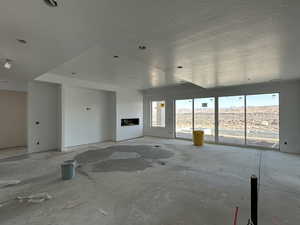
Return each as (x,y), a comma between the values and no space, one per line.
(218,43)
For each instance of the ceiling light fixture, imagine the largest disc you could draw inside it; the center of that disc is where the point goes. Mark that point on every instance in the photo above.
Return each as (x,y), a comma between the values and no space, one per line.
(22,41)
(7,64)
(51,3)
(142,47)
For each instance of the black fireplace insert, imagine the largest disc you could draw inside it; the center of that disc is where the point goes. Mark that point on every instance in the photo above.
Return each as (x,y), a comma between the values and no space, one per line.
(130,122)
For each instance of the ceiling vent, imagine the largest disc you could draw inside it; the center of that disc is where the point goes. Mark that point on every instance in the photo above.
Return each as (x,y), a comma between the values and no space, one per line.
(51,3)
(142,47)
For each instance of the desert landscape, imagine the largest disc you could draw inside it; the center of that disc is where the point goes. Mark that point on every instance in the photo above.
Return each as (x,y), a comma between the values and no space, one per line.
(262,124)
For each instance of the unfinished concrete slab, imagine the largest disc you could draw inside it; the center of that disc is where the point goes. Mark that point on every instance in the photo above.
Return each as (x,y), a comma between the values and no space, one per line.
(122,158)
(194,186)
(11,152)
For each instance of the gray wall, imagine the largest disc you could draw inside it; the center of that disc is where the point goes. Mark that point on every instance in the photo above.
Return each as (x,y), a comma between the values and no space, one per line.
(13,117)
(85,126)
(14,85)
(129,104)
(289,107)
(43,106)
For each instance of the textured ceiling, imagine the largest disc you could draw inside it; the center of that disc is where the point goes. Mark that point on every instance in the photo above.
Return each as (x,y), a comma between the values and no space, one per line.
(217,43)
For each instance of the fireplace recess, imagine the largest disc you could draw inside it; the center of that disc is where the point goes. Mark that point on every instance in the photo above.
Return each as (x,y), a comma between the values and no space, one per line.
(130,122)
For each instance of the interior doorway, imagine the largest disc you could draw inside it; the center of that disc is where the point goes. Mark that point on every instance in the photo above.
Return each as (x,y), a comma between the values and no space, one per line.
(13,120)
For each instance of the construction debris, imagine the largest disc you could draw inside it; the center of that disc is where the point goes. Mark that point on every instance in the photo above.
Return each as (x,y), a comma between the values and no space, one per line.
(5,183)
(35,198)
(103,212)
(72,204)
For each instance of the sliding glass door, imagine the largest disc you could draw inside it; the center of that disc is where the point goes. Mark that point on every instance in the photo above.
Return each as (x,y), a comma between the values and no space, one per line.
(184,118)
(232,120)
(262,121)
(242,120)
(204,117)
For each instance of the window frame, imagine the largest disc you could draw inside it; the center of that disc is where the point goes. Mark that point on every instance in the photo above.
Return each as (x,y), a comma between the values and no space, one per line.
(175,119)
(246,129)
(216,109)
(151,114)
(244,138)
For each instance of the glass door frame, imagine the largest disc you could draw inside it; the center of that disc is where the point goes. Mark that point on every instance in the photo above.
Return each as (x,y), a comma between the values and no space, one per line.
(216,100)
(174,110)
(193,117)
(245,122)
(257,146)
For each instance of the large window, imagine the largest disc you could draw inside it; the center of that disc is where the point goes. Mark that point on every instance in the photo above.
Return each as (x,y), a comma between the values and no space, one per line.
(262,119)
(251,120)
(184,118)
(232,119)
(158,113)
(204,117)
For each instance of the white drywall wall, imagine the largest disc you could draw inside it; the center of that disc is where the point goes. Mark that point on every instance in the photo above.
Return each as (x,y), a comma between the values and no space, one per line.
(129,104)
(13,85)
(76,82)
(289,107)
(43,107)
(86,116)
(290,117)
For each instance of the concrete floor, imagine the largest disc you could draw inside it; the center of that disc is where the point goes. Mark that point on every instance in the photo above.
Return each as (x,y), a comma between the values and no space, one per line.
(174,183)
(9,152)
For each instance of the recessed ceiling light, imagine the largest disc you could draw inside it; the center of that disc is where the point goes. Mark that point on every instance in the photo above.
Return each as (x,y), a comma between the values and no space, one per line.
(22,41)
(142,47)
(116,56)
(179,67)
(51,3)
(7,64)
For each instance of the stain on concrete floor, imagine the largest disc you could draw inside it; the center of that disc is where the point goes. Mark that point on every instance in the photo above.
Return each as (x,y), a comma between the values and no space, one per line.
(14,158)
(203,190)
(123,158)
(127,165)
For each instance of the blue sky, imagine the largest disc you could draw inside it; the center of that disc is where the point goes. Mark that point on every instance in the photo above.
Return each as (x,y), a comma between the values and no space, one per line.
(232,101)
(263,100)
